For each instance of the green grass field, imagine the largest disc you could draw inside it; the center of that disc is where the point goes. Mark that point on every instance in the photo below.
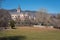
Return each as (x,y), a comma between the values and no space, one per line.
(30,33)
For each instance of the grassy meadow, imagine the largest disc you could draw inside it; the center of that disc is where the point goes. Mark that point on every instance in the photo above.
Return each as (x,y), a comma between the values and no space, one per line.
(30,33)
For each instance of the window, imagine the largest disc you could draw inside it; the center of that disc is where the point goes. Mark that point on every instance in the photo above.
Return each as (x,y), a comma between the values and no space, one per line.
(12,16)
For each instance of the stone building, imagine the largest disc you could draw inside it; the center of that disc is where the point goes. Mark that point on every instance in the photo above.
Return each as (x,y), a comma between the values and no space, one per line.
(20,16)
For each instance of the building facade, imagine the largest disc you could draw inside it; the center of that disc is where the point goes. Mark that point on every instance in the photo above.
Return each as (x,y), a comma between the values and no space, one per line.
(20,16)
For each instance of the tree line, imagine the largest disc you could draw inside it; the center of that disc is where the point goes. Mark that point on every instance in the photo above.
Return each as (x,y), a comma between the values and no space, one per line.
(41,17)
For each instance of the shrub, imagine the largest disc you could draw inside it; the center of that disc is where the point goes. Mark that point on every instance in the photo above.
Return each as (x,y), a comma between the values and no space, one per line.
(12,24)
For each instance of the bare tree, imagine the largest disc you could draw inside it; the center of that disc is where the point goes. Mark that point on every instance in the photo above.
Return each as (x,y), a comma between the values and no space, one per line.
(4,18)
(43,17)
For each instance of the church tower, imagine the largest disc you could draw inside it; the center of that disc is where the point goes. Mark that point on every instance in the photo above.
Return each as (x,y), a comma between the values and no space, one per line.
(19,9)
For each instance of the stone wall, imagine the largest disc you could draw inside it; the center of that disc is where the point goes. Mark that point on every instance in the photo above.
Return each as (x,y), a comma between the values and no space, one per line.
(42,26)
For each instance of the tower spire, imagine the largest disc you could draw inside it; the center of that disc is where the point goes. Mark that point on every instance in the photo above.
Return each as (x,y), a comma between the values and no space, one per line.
(18,9)
(18,6)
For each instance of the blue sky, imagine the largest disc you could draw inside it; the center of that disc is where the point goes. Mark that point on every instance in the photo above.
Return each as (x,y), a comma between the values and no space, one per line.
(52,6)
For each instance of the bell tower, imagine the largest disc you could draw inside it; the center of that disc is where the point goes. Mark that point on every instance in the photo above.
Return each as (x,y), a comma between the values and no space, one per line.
(19,9)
